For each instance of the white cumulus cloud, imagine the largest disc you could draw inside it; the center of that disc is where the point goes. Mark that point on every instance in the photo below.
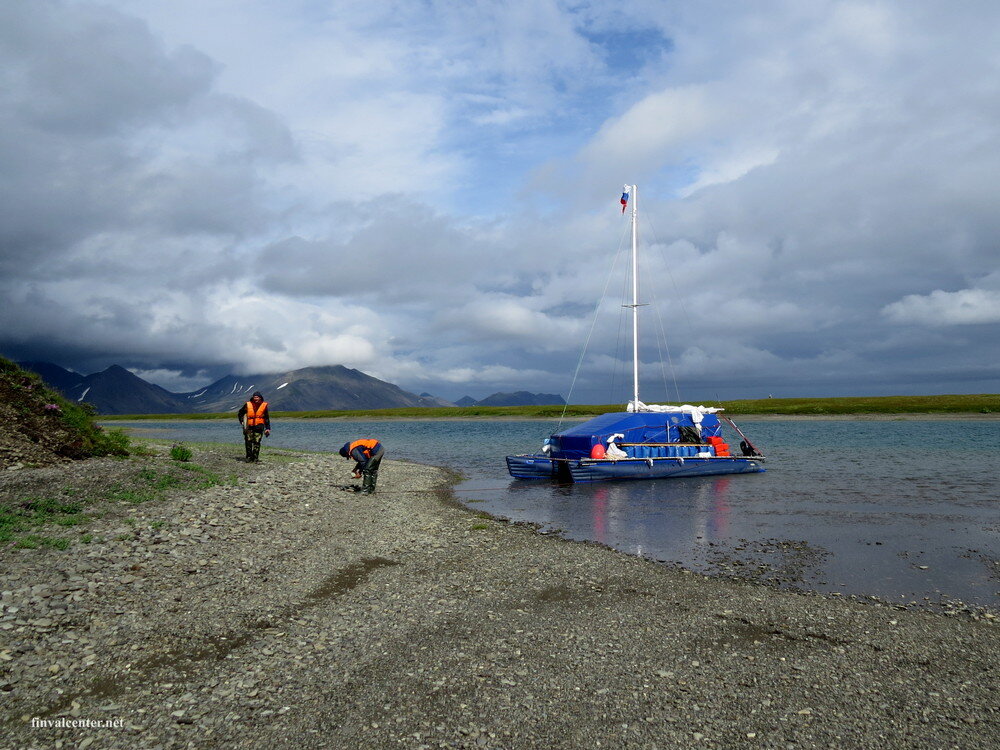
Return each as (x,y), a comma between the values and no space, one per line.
(940,308)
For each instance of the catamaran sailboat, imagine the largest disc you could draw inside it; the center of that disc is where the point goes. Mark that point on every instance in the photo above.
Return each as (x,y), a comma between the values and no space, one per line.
(644,441)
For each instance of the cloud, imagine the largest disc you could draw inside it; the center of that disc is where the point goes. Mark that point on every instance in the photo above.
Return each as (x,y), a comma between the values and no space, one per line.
(88,70)
(110,139)
(395,248)
(428,191)
(940,308)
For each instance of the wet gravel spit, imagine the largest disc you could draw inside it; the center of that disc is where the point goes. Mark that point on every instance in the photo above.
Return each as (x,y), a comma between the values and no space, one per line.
(280,611)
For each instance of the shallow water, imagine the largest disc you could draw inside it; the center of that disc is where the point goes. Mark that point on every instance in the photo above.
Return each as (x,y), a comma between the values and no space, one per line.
(907,511)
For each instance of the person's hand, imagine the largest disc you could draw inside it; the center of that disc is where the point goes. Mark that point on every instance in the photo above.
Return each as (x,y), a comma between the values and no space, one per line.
(267,433)
(356,474)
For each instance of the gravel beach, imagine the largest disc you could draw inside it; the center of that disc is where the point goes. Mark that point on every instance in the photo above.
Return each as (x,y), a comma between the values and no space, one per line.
(276,610)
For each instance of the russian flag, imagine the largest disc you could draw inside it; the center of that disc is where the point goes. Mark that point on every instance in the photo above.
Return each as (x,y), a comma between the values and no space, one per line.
(624,199)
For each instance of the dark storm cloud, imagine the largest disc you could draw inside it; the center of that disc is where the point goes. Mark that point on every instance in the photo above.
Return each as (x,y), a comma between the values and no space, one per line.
(87,70)
(127,183)
(396,249)
(101,136)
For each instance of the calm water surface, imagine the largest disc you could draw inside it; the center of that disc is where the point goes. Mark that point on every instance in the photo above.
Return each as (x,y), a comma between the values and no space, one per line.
(906,510)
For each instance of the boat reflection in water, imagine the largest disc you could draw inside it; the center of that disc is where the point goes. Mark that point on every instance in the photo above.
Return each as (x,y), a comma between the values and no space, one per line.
(667,518)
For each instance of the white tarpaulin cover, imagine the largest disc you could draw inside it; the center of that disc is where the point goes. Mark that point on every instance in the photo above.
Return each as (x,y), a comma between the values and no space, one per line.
(613,450)
(696,412)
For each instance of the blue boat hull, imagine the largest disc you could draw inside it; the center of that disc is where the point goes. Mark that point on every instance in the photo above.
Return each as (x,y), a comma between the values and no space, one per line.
(539,466)
(531,467)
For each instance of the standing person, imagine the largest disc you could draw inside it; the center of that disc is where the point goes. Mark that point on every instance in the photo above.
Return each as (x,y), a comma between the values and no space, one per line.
(256,422)
(368,455)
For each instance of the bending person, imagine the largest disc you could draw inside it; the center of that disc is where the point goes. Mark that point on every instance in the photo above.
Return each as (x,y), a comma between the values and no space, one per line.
(368,455)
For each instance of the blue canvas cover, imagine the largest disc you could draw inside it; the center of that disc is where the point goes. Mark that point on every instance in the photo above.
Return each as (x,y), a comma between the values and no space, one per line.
(641,427)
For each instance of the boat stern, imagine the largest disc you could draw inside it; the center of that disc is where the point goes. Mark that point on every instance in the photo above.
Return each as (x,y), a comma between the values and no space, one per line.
(531,466)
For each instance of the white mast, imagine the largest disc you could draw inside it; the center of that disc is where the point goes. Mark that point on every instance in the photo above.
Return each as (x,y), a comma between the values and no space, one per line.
(635,299)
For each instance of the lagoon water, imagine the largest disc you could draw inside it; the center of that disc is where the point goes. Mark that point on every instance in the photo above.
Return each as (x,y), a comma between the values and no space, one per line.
(907,511)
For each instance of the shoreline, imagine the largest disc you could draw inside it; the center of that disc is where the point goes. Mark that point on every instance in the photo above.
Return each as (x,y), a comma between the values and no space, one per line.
(866,417)
(875,417)
(281,611)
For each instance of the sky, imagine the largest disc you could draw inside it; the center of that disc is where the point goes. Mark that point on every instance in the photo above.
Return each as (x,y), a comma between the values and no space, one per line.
(428,191)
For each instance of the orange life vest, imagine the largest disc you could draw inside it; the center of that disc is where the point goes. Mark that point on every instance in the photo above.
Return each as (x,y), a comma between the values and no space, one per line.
(255,416)
(367,445)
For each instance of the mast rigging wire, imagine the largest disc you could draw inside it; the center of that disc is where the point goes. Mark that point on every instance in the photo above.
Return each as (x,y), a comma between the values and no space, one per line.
(590,333)
(683,308)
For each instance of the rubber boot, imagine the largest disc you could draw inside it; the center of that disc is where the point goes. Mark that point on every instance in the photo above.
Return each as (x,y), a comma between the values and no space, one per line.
(368,481)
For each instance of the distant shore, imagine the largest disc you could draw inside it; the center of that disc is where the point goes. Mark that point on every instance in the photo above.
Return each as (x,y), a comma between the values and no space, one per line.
(875,417)
(978,406)
(372,417)
(741,417)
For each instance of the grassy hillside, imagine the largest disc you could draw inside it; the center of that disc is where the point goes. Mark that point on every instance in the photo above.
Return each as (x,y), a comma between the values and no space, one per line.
(958,404)
(40,426)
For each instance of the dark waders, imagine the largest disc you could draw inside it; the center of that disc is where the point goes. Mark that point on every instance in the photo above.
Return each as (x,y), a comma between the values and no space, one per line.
(251,441)
(369,475)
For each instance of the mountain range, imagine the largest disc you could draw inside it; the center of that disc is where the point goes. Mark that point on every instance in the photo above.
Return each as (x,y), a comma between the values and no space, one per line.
(518,398)
(118,391)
